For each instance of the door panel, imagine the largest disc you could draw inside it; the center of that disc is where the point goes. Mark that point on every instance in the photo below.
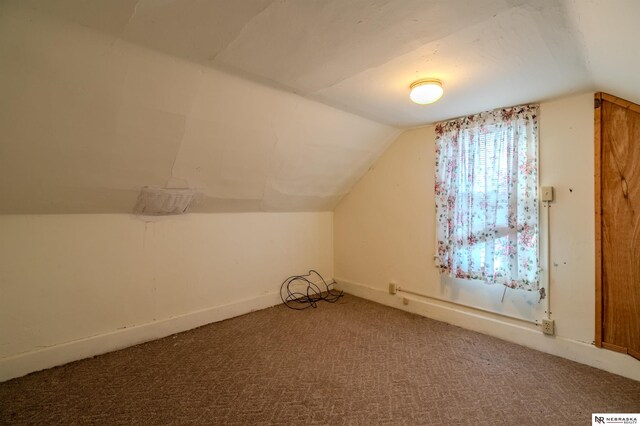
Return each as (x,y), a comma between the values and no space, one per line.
(618,198)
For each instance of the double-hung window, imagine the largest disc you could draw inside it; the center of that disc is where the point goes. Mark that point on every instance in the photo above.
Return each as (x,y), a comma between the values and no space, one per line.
(486,197)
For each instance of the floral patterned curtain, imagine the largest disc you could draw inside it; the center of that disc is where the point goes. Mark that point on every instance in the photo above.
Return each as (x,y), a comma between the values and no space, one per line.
(487,197)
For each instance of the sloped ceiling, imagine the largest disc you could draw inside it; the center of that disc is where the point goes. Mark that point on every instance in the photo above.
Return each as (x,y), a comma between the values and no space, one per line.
(360,55)
(103,97)
(86,120)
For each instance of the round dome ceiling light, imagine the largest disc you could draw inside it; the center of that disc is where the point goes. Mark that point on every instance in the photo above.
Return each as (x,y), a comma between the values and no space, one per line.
(426,91)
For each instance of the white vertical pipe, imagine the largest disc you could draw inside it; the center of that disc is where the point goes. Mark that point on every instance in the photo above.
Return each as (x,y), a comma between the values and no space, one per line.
(547,245)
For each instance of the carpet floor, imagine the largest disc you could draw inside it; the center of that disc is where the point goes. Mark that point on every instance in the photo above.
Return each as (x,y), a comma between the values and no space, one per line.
(353,362)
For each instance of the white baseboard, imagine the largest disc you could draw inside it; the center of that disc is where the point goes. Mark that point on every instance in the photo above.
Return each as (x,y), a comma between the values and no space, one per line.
(21,364)
(502,328)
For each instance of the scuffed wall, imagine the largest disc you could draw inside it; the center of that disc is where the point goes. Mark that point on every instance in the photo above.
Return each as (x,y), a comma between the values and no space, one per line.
(385,228)
(73,286)
(384,231)
(87,119)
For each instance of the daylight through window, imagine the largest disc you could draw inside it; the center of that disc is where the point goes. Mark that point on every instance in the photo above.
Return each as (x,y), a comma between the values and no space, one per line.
(486,197)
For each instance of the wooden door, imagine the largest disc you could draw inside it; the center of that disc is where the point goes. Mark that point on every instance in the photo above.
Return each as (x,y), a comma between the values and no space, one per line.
(617,171)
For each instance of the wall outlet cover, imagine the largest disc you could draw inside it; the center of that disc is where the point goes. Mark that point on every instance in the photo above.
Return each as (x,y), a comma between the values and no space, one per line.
(548,327)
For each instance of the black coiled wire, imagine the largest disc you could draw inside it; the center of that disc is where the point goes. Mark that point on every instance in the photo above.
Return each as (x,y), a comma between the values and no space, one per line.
(314,292)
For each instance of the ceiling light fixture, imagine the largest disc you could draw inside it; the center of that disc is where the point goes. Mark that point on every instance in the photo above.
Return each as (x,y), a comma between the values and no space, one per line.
(426,91)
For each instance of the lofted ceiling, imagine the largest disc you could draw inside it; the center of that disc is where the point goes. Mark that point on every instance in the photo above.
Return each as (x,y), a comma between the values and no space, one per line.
(269,105)
(361,55)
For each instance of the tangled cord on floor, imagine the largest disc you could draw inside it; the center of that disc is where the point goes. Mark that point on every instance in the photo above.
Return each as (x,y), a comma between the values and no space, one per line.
(311,295)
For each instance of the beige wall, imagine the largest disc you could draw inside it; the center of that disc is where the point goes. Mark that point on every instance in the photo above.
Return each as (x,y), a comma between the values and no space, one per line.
(75,285)
(384,231)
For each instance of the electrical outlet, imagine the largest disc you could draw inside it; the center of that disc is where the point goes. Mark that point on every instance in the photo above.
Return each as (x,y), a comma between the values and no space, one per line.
(405,301)
(548,327)
(393,288)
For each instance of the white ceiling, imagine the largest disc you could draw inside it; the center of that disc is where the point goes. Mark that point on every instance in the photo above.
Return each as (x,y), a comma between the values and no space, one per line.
(87,120)
(361,55)
(235,98)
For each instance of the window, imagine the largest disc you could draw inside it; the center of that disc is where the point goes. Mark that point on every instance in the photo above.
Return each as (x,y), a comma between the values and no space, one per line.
(486,197)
